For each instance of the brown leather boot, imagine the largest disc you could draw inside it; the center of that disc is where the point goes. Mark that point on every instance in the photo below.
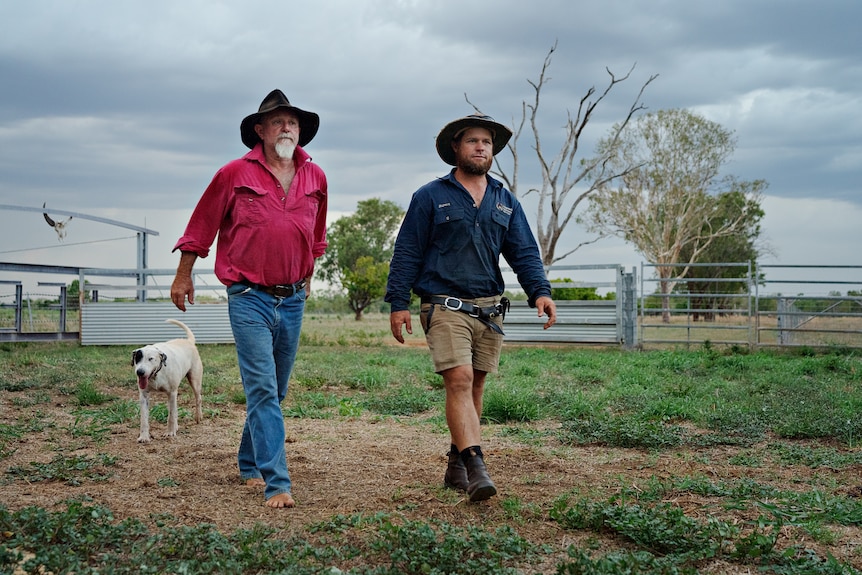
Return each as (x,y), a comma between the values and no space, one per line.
(456,473)
(479,485)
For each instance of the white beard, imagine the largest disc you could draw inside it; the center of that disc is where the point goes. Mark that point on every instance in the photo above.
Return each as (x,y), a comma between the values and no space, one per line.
(285,148)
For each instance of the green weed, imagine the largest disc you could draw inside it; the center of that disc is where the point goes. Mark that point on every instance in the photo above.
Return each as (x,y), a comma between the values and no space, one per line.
(86,393)
(70,470)
(406,401)
(510,403)
(622,432)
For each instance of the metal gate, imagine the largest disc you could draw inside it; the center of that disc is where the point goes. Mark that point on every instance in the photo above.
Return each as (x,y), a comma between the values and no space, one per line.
(766,306)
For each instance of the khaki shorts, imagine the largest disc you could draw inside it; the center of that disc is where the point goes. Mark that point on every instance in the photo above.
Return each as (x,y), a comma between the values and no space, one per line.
(455,338)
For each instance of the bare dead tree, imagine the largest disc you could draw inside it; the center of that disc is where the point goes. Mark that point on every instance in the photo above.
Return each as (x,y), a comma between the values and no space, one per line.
(561,175)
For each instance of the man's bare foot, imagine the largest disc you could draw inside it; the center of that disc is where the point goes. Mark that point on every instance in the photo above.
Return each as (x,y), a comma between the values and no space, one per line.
(280,501)
(255,482)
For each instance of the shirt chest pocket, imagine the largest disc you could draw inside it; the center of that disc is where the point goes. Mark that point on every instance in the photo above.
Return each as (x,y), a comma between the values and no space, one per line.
(249,206)
(501,218)
(307,206)
(449,216)
(451,229)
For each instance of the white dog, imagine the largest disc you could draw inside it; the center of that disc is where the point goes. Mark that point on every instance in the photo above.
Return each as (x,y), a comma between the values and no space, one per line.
(161,367)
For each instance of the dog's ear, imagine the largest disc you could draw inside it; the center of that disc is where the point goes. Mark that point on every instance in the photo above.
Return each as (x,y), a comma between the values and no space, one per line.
(136,356)
(164,357)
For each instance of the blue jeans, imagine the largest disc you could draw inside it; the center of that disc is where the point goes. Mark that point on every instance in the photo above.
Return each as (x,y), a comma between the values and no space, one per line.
(266,331)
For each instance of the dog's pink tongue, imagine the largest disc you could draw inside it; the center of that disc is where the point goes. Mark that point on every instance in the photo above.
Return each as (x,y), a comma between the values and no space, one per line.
(142,381)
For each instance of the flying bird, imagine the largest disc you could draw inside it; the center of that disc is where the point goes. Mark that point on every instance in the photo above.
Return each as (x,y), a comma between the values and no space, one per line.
(59,227)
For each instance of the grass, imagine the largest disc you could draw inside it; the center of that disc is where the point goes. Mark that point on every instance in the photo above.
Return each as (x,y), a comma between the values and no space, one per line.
(772,409)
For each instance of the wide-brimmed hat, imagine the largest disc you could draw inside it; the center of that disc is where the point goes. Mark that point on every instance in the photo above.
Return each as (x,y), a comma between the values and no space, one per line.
(309,122)
(500,134)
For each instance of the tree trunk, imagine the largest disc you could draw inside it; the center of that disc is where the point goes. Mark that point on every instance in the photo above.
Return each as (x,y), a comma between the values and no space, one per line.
(665,300)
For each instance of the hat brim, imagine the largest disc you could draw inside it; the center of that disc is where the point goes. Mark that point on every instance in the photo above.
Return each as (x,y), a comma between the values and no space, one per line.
(501,135)
(309,122)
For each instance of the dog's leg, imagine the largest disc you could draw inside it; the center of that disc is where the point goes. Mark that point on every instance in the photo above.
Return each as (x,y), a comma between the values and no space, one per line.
(172,414)
(195,377)
(144,402)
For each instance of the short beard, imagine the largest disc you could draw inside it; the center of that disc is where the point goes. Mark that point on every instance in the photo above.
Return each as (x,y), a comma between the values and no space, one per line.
(475,168)
(284,148)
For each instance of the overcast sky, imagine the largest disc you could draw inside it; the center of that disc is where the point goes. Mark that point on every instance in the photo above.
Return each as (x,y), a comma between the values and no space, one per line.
(124,110)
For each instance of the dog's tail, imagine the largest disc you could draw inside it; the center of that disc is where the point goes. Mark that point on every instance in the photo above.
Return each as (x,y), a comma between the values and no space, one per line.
(188,331)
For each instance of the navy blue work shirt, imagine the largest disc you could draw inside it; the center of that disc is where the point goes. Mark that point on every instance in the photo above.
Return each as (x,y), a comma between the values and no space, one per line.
(448,246)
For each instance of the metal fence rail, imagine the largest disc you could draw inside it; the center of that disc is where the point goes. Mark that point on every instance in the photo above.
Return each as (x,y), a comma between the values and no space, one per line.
(770,305)
(808,318)
(681,316)
(760,313)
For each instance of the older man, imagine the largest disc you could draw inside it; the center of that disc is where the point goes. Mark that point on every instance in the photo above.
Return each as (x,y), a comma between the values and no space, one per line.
(269,211)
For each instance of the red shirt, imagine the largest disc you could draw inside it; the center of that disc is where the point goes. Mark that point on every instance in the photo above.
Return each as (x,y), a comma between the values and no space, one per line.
(264,236)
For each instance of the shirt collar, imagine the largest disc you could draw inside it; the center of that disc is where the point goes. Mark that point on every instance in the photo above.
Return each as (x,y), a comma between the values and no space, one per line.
(493,183)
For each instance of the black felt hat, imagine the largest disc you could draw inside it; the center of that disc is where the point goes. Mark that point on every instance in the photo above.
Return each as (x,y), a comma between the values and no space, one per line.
(309,122)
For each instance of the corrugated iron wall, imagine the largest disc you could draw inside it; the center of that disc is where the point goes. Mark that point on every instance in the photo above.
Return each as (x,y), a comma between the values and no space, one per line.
(134,323)
(577,322)
(142,323)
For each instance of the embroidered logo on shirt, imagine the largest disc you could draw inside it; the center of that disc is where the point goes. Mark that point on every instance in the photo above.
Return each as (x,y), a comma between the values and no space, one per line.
(446,205)
(505,209)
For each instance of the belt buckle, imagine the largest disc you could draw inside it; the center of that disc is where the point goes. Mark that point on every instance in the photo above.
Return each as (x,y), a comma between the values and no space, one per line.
(447,305)
(283,290)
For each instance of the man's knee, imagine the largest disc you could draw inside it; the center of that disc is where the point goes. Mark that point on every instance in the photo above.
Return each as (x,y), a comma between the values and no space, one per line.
(458,379)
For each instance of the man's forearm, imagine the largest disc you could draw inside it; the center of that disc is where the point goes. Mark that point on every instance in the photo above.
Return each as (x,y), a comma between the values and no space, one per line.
(187,263)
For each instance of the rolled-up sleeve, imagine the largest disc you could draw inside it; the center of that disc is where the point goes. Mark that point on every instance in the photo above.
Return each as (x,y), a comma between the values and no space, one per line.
(319,245)
(409,254)
(206,218)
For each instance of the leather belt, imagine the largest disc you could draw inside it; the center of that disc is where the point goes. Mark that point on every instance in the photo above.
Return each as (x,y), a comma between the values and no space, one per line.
(281,290)
(483,314)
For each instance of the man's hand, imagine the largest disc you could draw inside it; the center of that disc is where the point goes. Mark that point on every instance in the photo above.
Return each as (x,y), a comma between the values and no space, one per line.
(183,285)
(396,320)
(546,306)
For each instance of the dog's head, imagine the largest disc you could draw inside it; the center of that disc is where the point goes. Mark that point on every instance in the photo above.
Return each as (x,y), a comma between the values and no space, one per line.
(147,362)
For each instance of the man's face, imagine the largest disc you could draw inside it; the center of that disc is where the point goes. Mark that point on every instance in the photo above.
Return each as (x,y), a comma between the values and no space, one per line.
(474,152)
(279,132)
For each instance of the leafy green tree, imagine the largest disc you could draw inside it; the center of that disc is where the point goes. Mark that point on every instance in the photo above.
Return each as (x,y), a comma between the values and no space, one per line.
(73,292)
(742,247)
(576,293)
(360,248)
(365,283)
(666,206)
